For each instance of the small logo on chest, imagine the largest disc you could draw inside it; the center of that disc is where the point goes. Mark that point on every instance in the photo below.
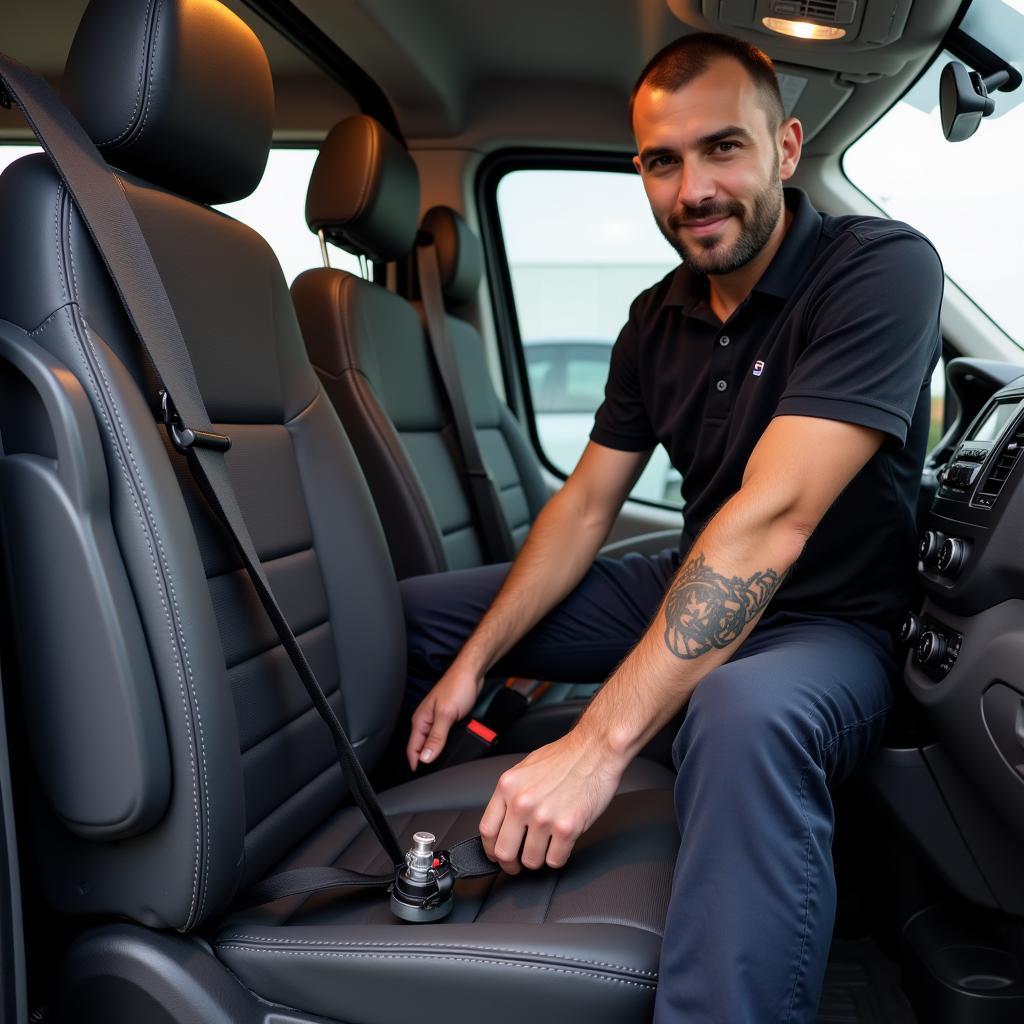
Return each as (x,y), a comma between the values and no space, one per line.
(759,368)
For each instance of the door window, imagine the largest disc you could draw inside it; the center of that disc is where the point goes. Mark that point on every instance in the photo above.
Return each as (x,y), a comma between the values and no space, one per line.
(580,245)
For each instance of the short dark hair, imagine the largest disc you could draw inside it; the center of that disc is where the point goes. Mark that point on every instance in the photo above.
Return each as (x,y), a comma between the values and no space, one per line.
(682,61)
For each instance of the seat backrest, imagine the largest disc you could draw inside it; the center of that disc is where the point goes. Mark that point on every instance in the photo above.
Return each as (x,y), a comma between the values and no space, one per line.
(503,442)
(369,348)
(176,753)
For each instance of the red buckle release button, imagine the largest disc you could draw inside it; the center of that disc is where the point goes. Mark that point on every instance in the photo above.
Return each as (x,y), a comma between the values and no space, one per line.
(481,730)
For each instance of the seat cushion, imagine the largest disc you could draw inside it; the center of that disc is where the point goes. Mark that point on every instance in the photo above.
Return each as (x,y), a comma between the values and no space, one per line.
(580,943)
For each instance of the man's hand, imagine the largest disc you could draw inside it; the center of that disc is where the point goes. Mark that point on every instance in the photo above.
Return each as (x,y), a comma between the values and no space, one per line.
(452,698)
(546,802)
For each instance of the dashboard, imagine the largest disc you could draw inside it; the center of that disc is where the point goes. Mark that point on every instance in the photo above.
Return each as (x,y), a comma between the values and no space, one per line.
(965,647)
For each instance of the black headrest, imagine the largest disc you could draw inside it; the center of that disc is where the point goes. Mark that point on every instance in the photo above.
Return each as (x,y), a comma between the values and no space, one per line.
(459,255)
(364,192)
(177,92)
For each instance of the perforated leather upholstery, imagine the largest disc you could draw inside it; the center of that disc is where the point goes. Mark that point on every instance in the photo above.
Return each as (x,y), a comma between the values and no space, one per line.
(253,781)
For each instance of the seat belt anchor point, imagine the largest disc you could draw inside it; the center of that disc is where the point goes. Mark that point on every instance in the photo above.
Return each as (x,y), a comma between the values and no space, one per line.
(183,438)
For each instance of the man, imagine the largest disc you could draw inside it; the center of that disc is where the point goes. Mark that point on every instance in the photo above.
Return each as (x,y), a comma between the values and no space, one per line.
(786,367)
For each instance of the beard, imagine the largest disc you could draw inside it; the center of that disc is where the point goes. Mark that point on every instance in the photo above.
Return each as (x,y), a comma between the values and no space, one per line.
(706,255)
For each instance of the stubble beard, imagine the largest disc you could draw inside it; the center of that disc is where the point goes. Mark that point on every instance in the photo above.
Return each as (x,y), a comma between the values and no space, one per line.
(706,255)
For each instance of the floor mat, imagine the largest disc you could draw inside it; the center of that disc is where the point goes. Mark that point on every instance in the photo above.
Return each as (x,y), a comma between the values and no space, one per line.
(862,987)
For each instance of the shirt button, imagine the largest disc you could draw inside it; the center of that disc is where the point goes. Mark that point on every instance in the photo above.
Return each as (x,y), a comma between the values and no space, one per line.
(723,340)
(721,385)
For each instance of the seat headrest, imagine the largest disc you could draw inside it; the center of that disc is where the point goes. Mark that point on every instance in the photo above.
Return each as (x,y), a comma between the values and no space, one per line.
(177,92)
(459,255)
(364,192)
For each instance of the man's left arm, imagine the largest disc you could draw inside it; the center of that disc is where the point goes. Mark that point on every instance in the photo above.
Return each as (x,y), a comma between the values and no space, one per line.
(799,467)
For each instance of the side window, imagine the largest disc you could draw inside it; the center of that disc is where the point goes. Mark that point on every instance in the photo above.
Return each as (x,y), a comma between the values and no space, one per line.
(276,209)
(581,245)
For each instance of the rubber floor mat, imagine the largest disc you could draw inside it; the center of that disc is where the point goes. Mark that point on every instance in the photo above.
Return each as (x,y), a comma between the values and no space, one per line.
(862,987)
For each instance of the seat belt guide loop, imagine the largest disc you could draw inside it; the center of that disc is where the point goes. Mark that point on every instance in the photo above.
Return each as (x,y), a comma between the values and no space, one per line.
(183,437)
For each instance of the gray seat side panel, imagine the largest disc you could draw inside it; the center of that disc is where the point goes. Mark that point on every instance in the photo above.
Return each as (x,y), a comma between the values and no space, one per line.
(195,848)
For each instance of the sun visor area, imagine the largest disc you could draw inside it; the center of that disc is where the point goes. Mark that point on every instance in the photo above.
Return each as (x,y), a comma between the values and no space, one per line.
(810,95)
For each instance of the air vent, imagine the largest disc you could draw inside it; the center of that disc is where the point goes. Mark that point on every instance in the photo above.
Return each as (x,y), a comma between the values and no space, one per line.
(997,476)
(828,12)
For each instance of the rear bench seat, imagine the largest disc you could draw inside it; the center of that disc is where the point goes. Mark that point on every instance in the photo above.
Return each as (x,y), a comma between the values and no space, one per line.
(176,757)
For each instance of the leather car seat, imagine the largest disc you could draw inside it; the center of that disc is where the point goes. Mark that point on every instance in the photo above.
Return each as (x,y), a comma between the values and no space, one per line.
(369,349)
(175,756)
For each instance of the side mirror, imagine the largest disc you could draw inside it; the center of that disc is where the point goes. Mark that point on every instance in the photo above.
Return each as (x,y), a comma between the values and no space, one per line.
(964,99)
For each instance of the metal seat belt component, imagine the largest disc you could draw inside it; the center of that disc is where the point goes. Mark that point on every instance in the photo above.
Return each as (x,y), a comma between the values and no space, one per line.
(104,207)
(482,491)
(465,859)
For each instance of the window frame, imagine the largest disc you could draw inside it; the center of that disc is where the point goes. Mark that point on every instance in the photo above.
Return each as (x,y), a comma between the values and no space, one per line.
(511,354)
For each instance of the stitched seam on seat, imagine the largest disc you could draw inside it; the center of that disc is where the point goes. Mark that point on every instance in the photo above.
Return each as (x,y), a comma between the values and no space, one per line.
(61,275)
(151,53)
(389,438)
(42,327)
(591,975)
(442,945)
(138,92)
(165,586)
(399,459)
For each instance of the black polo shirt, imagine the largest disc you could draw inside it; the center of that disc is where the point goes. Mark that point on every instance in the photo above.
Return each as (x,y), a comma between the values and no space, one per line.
(843,325)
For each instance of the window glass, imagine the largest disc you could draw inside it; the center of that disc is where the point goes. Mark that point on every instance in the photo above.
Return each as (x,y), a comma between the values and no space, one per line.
(581,245)
(961,195)
(276,209)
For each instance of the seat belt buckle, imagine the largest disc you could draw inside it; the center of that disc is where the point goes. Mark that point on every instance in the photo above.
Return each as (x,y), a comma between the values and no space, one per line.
(182,437)
(422,889)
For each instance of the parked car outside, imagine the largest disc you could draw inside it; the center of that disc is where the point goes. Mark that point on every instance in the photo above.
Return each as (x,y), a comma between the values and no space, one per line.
(567,378)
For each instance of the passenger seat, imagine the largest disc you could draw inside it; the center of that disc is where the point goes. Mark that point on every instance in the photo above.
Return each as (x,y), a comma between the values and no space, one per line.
(175,757)
(371,354)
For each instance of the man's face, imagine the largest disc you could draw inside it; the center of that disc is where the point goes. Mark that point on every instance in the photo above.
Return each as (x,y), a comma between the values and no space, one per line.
(711,167)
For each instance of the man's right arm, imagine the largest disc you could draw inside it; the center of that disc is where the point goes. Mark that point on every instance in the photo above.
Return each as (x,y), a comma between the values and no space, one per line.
(559,550)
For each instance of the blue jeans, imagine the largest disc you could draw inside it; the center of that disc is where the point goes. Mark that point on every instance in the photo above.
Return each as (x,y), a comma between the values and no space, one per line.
(794,711)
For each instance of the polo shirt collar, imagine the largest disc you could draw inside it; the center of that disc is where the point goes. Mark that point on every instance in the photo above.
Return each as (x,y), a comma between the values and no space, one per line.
(688,290)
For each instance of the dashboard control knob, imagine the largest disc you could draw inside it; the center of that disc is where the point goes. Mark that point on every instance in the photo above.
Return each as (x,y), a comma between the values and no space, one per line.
(910,630)
(931,648)
(929,546)
(951,557)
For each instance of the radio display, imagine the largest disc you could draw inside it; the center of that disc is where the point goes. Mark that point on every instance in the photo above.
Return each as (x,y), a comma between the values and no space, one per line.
(992,426)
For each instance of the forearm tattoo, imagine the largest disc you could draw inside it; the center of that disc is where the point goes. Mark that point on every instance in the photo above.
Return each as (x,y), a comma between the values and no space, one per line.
(705,610)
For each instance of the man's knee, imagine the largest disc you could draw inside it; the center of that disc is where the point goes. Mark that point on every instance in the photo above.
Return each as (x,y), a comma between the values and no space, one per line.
(737,714)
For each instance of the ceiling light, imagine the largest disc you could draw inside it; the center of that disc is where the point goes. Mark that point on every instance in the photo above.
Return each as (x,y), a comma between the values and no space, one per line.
(803,29)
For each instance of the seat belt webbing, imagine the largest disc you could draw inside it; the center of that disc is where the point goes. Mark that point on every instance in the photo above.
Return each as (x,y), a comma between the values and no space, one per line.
(104,207)
(483,494)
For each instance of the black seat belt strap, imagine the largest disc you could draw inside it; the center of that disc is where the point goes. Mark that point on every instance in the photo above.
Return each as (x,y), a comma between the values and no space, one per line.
(104,208)
(482,491)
